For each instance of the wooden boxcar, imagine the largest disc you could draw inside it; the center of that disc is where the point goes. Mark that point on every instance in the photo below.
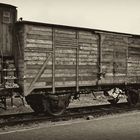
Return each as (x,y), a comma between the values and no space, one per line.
(62,60)
(49,64)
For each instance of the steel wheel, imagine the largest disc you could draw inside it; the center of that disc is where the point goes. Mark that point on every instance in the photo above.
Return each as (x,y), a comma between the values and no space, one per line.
(35,102)
(54,109)
(56,105)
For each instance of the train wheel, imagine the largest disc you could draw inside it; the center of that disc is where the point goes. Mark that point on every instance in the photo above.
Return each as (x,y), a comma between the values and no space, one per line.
(55,110)
(132,97)
(35,102)
(56,107)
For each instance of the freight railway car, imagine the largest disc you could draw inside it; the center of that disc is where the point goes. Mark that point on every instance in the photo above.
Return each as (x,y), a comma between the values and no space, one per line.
(49,64)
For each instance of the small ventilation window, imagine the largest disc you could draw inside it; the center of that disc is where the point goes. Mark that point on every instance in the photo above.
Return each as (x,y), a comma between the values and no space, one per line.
(6,17)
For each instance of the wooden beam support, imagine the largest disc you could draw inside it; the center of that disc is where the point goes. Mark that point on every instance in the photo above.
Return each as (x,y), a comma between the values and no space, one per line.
(101,39)
(77,63)
(53,60)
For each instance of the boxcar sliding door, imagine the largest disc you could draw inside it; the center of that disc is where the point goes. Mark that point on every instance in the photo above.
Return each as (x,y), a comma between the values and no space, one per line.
(114,59)
(76,58)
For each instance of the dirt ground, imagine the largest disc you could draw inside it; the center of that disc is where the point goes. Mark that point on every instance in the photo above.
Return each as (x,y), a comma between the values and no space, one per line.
(85,100)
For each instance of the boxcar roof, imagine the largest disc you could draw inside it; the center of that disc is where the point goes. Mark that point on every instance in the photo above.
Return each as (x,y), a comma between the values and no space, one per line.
(7,5)
(24,22)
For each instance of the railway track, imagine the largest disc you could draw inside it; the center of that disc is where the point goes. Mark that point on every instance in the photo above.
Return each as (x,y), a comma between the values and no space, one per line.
(71,113)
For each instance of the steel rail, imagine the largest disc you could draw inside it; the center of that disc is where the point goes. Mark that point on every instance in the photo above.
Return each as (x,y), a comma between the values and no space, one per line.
(71,113)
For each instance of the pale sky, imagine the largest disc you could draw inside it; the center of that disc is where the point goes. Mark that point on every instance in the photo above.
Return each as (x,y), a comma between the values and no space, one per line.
(112,15)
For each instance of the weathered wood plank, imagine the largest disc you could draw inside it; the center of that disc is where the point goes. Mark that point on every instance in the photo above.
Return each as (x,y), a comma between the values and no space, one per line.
(90,33)
(39,36)
(65,31)
(88,48)
(64,79)
(36,62)
(64,36)
(33,54)
(65,51)
(62,66)
(39,41)
(87,83)
(61,74)
(35,49)
(38,28)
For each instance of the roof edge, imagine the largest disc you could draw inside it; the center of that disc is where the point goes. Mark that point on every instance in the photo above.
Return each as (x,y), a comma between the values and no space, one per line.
(74,27)
(7,5)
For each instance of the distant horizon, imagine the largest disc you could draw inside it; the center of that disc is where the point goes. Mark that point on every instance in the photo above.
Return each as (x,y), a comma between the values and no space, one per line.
(122,16)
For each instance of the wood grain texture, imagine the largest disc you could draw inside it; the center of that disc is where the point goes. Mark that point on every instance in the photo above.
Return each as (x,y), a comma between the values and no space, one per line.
(120,57)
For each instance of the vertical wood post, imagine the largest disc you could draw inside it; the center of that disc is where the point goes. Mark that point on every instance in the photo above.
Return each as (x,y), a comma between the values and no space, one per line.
(126,39)
(53,60)
(77,62)
(100,54)
(101,38)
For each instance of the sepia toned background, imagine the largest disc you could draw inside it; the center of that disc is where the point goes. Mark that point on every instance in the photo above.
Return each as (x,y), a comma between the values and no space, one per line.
(112,15)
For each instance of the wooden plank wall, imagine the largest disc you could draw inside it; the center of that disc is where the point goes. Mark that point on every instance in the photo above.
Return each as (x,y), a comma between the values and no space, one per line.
(88,58)
(66,42)
(120,58)
(114,59)
(134,60)
(38,42)
(71,45)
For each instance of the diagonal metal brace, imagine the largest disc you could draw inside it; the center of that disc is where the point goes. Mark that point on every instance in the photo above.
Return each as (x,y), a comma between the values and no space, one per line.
(31,87)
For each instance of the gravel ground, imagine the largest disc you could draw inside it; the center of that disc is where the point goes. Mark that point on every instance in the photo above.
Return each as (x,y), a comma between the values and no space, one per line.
(85,100)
